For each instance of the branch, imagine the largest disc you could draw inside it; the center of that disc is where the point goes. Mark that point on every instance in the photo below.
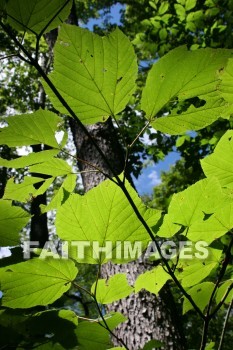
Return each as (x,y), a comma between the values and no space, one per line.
(101,314)
(209,315)
(47,25)
(120,183)
(222,300)
(225,326)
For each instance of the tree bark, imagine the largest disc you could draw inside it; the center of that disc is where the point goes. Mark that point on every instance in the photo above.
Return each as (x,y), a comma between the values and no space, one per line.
(149,316)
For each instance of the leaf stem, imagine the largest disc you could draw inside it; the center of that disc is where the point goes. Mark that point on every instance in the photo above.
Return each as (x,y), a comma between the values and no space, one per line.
(210,315)
(220,347)
(121,184)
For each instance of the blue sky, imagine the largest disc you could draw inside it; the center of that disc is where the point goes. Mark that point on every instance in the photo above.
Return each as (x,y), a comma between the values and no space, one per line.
(150,176)
(115,14)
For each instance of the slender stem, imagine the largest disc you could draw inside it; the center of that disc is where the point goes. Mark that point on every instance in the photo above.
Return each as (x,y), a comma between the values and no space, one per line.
(107,327)
(101,314)
(220,347)
(139,134)
(97,278)
(47,25)
(209,315)
(97,169)
(205,333)
(220,277)
(34,63)
(229,289)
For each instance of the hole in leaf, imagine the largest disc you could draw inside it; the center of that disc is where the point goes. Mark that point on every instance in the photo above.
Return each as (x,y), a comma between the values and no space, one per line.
(183,106)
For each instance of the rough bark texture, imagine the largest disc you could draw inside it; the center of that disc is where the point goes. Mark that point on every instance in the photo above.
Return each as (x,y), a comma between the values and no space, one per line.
(149,317)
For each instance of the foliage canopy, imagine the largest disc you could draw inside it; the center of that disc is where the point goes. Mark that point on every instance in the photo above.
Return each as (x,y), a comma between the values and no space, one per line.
(93,79)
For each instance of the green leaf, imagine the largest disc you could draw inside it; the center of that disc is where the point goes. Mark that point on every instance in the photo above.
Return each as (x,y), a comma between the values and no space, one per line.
(36,282)
(219,164)
(195,270)
(190,4)
(210,346)
(30,159)
(152,4)
(180,11)
(60,196)
(182,75)
(222,290)
(200,294)
(92,336)
(104,218)
(193,118)
(191,205)
(152,280)
(12,220)
(168,228)
(34,15)
(53,167)
(152,344)
(163,7)
(25,191)
(163,33)
(114,288)
(31,129)
(113,319)
(96,76)
(216,226)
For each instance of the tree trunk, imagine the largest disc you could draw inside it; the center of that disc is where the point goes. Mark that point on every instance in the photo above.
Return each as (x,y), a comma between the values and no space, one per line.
(149,316)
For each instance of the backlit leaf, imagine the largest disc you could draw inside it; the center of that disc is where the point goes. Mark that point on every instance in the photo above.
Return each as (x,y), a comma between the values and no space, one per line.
(36,282)
(200,294)
(216,226)
(24,191)
(222,290)
(152,280)
(67,186)
(219,164)
(182,75)
(30,159)
(12,220)
(53,167)
(194,270)
(114,288)
(103,218)
(35,15)
(191,205)
(95,75)
(31,129)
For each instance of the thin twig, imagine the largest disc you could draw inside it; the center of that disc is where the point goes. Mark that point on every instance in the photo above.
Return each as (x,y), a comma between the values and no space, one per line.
(107,327)
(34,63)
(139,134)
(97,278)
(220,347)
(46,26)
(101,314)
(209,315)
(97,169)
(229,289)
